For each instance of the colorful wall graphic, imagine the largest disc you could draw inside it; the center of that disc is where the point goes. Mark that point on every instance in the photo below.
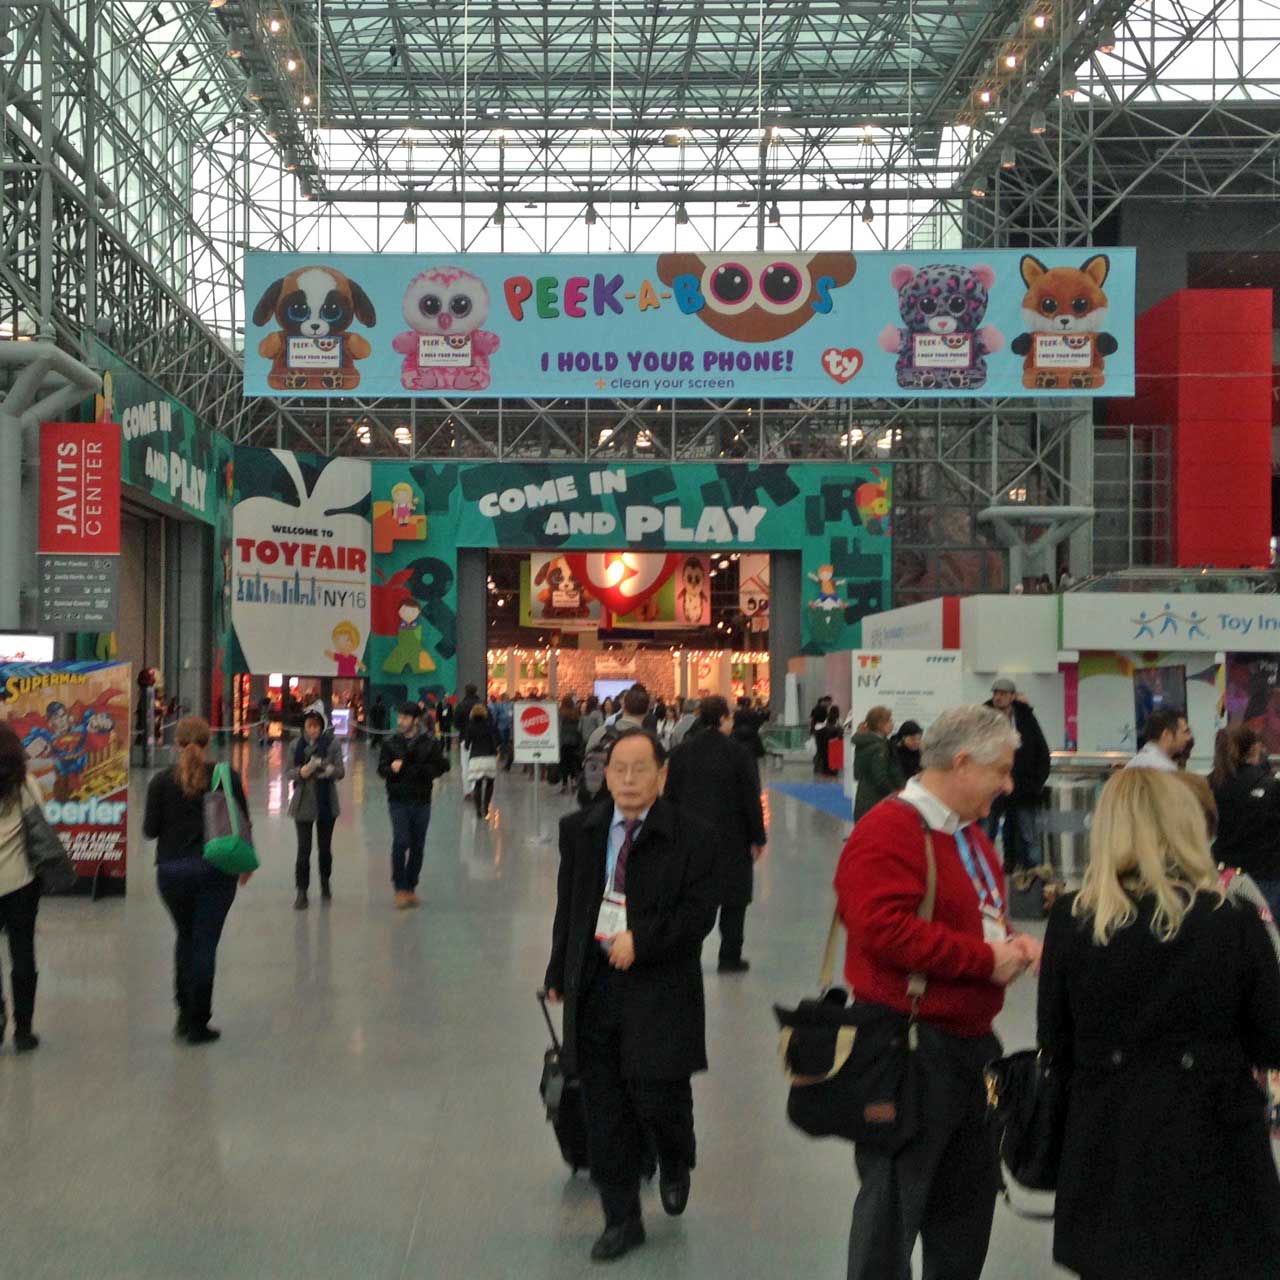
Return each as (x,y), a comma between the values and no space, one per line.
(300,563)
(1253,695)
(572,513)
(672,325)
(73,718)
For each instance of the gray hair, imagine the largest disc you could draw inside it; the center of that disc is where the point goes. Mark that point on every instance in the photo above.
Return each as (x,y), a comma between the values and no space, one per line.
(691,706)
(981,732)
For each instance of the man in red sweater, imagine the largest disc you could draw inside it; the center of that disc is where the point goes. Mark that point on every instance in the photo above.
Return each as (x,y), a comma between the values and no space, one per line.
(943,1184)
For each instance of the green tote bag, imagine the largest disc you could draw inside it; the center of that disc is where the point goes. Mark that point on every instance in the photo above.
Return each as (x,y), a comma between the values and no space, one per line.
(228,836)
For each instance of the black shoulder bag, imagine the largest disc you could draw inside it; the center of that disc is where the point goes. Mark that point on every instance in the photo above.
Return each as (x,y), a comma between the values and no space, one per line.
(853,1066)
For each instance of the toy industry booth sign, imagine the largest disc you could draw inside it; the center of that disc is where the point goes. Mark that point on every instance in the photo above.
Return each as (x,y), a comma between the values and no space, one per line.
(692,324)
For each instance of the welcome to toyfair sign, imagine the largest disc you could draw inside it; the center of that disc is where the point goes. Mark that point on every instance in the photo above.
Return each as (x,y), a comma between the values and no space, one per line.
(831,324)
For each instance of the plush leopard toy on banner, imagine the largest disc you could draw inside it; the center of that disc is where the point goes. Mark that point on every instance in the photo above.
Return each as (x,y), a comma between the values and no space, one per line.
(943,341)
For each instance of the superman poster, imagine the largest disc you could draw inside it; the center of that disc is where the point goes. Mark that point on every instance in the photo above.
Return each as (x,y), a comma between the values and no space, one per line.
(73,718)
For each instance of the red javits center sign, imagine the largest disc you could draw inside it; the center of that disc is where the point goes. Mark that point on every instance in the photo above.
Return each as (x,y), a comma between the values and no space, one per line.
(79,489)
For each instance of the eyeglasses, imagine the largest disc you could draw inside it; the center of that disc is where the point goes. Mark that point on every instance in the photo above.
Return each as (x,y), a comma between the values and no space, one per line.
(627,772)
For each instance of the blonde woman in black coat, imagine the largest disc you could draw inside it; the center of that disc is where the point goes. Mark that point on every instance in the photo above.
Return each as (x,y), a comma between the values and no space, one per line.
(1157,997)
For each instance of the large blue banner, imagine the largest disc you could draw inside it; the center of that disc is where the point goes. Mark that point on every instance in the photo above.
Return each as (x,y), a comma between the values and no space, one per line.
(691,325)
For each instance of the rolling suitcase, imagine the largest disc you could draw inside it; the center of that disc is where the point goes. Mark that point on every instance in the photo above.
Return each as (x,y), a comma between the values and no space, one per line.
(562,1097)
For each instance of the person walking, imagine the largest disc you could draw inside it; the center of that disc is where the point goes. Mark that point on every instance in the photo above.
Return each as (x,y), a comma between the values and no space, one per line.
(875,764)
(461,719)
(906,749)
(823,737)
(1167,741)
(686,723)
(480,738)
(19,889)
(504,723)
(593,784)
(747,721)
(317,766)
(667,727)
(1157,997)
(635,897)
(264,720)
(1018,810)
(197,895)
(410,763)
(818,715)
(942,1184)
(715,778)
(1248,799)
(572,743)
(592,718)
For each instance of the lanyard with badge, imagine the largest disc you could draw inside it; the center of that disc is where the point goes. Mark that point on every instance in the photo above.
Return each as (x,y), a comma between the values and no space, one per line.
(995,927)
(612,919)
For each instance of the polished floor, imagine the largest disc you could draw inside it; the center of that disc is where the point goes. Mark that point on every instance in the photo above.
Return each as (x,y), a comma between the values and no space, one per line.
(371,1111)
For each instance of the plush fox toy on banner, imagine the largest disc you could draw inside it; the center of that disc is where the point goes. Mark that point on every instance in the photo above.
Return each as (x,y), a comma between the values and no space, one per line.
(1064,310)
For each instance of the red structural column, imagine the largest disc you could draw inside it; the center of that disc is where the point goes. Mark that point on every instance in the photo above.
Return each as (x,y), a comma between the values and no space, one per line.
(1204,367)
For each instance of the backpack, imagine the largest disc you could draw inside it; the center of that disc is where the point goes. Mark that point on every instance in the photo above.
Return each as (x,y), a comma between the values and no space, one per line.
(591,784)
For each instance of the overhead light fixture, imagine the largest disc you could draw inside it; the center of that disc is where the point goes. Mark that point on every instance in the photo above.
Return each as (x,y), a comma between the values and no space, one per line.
(1039,123)
(275,26)
(306,99)
(1070,85)
(290,159)
(984,97)
(410,215)
(253,89)
(682,215)
(273,127)
(979,189)
(1040,21)
(868,213)
(1008,157)
(775,215)
(499,216)
(591,216)
(291,64)
(235,46)
(305,190)
(1107,40)
(1011,60)
(217,4)
(157,16)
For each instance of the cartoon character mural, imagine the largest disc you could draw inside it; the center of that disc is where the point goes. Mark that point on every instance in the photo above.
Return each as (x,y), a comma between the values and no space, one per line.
(346,650)
(755,297)
(446,346)
(311,349)
(942,341)
(693,593)
(1065,345)
(396,613)
(396,518)
(66,741)
(874,503)
(827,609)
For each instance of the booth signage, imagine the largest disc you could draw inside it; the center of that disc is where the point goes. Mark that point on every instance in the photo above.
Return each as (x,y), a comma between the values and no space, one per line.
(79,593)
(73,720)
(1184,623)
(537,733)
(662,327)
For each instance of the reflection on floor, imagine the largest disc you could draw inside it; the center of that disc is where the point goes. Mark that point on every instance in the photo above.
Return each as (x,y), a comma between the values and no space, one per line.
(829,797)
(372,1108)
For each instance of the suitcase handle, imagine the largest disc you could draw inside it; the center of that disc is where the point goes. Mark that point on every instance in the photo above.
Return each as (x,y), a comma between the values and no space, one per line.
(541,993)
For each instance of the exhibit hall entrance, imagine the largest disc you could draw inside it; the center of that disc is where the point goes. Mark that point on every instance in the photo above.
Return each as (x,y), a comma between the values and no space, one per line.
(683,624)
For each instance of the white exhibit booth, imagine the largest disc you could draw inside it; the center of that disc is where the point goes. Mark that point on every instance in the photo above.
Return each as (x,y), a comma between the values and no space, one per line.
(1093,665)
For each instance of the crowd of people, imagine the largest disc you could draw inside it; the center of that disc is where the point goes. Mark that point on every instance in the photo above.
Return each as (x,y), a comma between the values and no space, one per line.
(1159,991)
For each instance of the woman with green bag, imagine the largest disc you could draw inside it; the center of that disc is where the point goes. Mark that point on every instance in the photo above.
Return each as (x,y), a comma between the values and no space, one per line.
(197,894)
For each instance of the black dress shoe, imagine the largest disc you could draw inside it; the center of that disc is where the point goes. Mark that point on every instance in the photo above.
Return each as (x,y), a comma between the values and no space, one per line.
(326,893)
(300,902)
(203,1035)
(25,1042)
(733,966)
(674,1191)
(618,1240)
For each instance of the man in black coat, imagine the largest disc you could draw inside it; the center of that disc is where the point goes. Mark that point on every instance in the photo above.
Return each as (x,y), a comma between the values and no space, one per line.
(715,777)
(1030,775)
(636,896)
(409,762)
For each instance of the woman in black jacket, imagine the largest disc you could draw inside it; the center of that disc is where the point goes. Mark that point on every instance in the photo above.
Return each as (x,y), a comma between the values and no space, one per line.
(906,749)
(1157,997)
(317,766)
(481,741)
(196,893)
(1248,810)
(571,743)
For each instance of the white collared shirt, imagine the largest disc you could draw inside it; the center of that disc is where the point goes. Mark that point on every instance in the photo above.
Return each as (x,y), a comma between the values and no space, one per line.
(1151,757)
(939,815)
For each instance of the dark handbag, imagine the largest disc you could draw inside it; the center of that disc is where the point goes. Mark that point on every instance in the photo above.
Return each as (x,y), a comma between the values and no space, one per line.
(47,856)
(853,1066)
(1032,893)
(1027,1104)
